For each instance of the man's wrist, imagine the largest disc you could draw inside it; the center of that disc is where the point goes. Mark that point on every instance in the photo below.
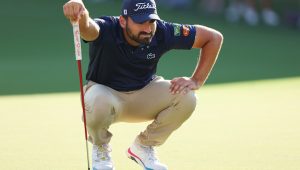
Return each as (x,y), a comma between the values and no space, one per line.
(199,83)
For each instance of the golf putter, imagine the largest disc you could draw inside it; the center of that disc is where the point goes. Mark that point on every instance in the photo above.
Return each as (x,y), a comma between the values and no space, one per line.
(78,54)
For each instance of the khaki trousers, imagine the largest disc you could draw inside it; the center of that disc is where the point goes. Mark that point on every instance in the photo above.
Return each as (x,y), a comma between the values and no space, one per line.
(105,106)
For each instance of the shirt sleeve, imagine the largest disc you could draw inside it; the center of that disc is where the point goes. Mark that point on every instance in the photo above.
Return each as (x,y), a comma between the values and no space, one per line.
(179,36)
(102,24)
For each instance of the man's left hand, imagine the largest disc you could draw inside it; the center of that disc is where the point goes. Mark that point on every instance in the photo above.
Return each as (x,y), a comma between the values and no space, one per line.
(183,85)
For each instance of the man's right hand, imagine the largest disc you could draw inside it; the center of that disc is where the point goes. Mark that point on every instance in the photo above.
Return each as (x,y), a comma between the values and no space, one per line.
(74,10)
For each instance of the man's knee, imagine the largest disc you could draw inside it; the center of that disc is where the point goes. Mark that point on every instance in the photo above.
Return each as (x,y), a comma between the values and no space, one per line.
(186,105)
(192,98)
(188,101)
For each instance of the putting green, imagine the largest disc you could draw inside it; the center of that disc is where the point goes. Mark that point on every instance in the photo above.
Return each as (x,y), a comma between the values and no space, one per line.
(239,126)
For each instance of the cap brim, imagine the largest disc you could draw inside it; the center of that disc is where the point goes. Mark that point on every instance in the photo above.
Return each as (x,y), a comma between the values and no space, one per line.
(145,17)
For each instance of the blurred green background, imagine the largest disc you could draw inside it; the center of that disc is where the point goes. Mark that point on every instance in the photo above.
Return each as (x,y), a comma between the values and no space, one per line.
(37,53)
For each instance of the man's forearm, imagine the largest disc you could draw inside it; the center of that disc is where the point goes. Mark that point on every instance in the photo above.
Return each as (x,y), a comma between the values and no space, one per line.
(207,58)
(89,30)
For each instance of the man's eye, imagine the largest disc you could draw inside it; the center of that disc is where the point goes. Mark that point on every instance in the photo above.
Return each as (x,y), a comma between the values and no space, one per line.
(152,20)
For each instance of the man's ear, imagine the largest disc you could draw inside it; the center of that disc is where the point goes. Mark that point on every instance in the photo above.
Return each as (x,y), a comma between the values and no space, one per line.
(122,22)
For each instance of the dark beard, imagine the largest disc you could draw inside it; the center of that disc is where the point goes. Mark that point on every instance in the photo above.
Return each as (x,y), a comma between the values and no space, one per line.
(138,39)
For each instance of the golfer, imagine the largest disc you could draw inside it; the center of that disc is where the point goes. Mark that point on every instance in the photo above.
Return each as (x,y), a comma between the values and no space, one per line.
(122,85)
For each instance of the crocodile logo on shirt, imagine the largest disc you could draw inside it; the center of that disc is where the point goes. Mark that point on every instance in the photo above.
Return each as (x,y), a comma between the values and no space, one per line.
(150,56)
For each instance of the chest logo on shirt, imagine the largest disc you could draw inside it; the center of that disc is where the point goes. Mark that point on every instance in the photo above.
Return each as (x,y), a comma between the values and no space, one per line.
(150,56)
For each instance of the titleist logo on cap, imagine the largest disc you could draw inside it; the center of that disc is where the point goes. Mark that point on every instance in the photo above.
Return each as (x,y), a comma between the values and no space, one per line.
(144,6)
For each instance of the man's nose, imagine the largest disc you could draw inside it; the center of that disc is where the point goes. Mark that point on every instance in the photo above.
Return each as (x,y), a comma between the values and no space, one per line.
(147,27)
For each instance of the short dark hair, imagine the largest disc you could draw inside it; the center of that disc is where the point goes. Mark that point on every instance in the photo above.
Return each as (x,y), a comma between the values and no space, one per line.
(125,16)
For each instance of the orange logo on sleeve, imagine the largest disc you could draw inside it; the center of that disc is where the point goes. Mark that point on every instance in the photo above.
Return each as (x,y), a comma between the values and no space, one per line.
(185,31)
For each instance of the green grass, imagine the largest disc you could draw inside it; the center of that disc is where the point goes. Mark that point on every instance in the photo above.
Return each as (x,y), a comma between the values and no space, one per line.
(236,126)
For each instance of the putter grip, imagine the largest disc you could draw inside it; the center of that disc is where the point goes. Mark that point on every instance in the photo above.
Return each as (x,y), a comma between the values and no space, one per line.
(77,43)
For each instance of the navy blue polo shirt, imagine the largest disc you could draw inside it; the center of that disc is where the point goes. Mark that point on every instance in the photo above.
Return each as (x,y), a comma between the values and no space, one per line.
(120,66)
